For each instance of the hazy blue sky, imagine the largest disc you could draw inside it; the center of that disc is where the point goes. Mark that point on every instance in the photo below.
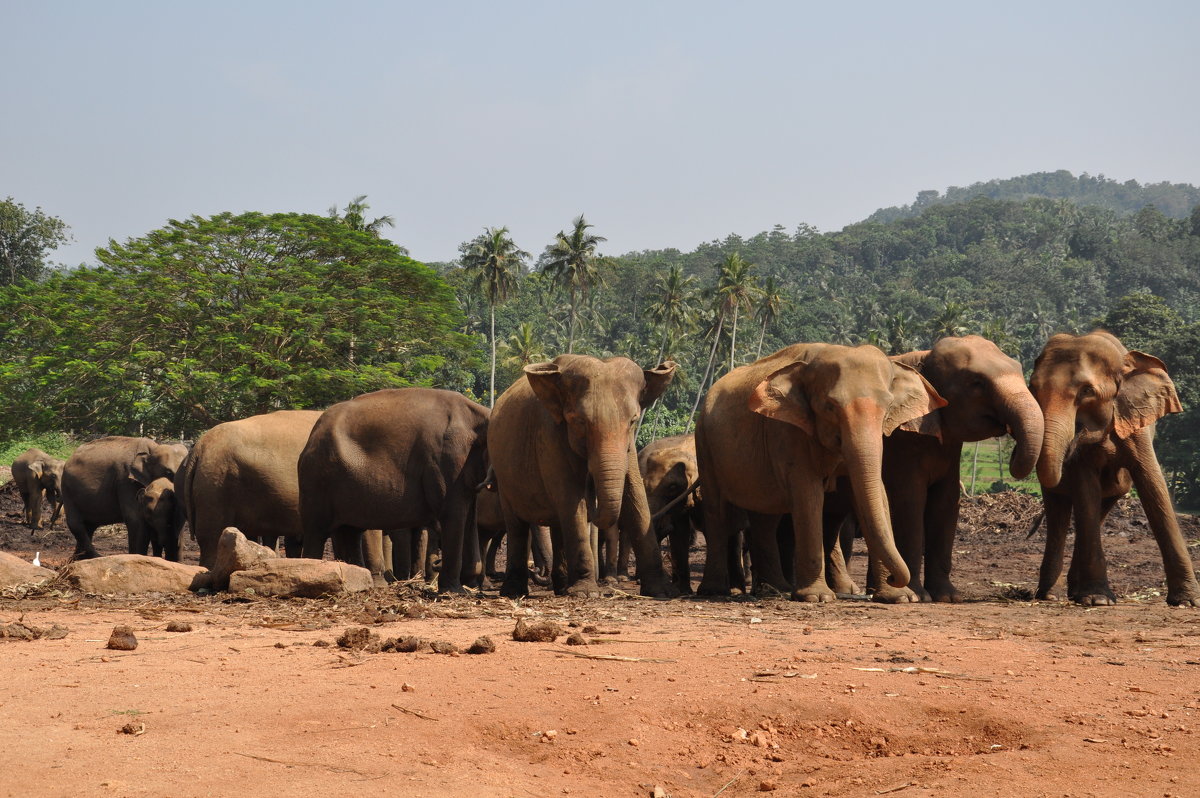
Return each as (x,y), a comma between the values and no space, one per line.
(667,123)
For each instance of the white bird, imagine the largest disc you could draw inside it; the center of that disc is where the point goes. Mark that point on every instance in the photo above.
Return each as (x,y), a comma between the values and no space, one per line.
(37,559)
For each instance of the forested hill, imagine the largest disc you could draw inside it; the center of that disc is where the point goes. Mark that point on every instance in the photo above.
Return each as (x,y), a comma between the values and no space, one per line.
(1175,200)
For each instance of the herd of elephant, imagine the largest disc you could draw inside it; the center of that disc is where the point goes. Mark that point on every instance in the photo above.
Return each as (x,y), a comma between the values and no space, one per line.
(787,449)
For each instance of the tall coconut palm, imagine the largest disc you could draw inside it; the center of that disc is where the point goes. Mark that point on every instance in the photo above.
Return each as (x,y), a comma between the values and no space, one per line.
(672,306)
(571,260)
(494,261)
(951,321)
(523,348)
(735,290)
(770,303)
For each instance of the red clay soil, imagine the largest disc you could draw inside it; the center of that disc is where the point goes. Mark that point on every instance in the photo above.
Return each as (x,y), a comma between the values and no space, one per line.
(998,696)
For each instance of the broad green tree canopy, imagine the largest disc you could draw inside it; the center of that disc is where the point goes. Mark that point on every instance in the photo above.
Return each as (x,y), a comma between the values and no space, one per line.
(212,319)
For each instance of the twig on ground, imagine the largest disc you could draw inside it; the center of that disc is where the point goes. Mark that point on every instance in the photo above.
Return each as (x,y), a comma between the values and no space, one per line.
(612,657)
(407,711)
(330,768)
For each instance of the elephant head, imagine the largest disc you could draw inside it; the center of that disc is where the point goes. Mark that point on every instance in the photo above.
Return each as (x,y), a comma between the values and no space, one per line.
(156,460)
(987,396)
(157,506)
(1090,386)
(48,473)
(600,403)
(848,399)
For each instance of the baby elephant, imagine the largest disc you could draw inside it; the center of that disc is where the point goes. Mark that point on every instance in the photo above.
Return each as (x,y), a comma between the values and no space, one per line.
(37,473)
(156,506)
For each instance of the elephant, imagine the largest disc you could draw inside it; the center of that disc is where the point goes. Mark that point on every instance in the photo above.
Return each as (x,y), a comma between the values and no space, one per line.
(1101,402)
(987,398)
(243,474)
(772,435)
(101,484)
(398,458)
(562,446)
(36,474)
(157,508)
(669,470)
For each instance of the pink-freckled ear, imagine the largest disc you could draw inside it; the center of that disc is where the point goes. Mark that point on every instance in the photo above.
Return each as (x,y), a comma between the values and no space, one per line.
(781,397)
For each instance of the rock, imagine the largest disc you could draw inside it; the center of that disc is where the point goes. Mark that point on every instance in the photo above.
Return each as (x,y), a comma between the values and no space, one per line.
(179,626)
(358,639)
(443,647)
(322,643)
(301,578)
(767,786)
(136,729)
(482,645)
(122,639)
(409,644)
(133,573)
(15,571)
(236,553)
(537,632)
(19,631)
(576,639)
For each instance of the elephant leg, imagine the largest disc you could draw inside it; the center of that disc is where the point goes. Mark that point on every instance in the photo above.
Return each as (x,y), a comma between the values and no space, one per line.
(402,553)
(579,558)
(293,546)
(941,524)
(460,543)
(766,567)
(907,503)
(516,569)
(1058,523)
(558,561)
(624,551)
(1182,587)
(738,553)
(348,545)
(491,542)
(808,498)
(612,551)
(681,548)
(139,538)
(1087,579)
(83,532)
(635,523)
(270,541)
(429,542)
(373,555)
(35,509)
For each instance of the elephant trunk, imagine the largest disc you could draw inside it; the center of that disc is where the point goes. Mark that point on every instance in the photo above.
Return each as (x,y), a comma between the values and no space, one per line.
(1060,431)
(607,465)
(863,454)
(1020,412)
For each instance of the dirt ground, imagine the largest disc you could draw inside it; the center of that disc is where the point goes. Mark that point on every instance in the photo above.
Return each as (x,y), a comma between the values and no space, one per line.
(998,696)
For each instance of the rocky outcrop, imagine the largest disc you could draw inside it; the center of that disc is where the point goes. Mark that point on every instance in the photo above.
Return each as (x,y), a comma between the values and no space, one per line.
(133,573)
(300,578)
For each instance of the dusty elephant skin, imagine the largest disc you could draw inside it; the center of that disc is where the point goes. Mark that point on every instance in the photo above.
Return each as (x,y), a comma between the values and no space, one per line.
(397,458)
(562,446)
(102,482)
(774,433)
(489,520)
(669,469)
(987,398)
(38,476)
(1101,402)
(243,474)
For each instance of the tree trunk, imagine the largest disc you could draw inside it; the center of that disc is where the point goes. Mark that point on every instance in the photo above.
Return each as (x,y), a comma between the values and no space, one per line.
(492,386)
(733,338)
(761,336)
(712,356)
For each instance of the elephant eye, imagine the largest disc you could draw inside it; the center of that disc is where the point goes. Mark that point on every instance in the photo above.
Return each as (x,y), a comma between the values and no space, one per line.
(1086,392)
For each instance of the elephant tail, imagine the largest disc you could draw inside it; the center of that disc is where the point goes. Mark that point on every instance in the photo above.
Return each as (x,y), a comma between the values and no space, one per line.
(1035,525)
(185,506)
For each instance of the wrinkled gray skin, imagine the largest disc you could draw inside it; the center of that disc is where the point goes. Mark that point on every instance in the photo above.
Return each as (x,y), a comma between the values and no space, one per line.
(101,484)
(39,475)
(1101,402)
(562,446)
(243,474)
(157,507)
(395,459)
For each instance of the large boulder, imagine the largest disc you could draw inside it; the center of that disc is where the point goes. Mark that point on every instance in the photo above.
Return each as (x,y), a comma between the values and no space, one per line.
(134,573)
(301,578)
(236,553)
(15,571)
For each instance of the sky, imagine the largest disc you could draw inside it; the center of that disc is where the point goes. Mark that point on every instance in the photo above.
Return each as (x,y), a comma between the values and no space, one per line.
(667,123)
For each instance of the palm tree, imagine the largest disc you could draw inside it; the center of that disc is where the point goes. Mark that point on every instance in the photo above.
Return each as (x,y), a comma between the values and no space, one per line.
(571,260)
(951,321)
(493,261)
(770,302)
(523,347)
(672,305)
(354,217)
(736,290)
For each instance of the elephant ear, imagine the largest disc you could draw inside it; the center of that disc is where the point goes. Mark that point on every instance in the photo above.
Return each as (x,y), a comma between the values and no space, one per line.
(546,381)
(781,397)
(36,468)
(657,380)
(914,401)
(139,468)
(1146,394)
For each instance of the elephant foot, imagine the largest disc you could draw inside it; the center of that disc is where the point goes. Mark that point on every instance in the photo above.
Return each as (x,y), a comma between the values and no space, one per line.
(946,593)
(713,587)
(684,588)
(897,595)
(814,595)
(1185,595)
(1047,594)
(514,589)
(608,581)
(1095,598)
(584,589)
(657,587)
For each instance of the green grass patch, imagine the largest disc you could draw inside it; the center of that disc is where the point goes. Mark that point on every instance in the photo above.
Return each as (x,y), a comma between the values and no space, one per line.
(55,444)
(986,467)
